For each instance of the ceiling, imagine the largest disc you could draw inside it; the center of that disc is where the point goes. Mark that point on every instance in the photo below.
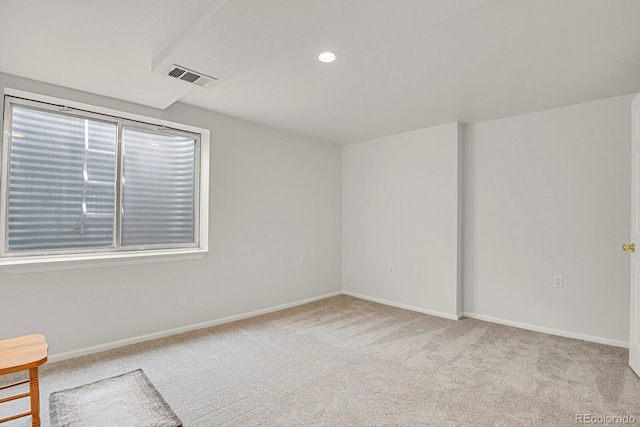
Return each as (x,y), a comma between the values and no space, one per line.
(403,64)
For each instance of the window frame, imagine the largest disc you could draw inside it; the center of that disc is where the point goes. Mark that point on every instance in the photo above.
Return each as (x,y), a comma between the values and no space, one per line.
(57,259)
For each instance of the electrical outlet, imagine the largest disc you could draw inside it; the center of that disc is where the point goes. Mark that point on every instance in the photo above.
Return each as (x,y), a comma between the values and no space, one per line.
(391,270)
(303,259)
(557,281)
(418,273)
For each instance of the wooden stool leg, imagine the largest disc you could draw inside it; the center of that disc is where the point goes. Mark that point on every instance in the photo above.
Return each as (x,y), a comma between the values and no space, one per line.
(34,391)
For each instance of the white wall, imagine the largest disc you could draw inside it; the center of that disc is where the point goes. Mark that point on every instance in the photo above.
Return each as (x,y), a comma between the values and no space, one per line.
(273,196)
(549,194)
(400,209)
(544,194)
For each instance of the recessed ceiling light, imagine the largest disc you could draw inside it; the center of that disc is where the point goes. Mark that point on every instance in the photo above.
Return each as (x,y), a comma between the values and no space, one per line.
(327,56)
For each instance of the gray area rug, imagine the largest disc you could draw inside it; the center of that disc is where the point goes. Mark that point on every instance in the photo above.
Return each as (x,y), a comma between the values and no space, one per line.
(124,400)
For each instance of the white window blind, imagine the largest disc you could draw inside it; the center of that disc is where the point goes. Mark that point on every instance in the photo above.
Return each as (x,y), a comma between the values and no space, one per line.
(158,188)
(79,182)
(61,182)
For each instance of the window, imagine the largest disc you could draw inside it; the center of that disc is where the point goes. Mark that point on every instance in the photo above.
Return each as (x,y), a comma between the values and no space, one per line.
(78,183)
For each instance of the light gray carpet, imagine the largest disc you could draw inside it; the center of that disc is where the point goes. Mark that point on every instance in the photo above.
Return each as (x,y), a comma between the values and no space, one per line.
(348,362)
(129,399)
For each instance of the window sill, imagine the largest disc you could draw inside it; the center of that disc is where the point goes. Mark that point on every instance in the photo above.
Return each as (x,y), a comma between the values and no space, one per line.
(76,262)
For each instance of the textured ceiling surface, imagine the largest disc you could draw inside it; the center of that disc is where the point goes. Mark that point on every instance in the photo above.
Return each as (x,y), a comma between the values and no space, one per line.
(403,64)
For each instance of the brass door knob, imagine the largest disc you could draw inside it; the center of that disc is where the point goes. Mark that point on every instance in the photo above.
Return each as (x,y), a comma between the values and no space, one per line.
(631,247)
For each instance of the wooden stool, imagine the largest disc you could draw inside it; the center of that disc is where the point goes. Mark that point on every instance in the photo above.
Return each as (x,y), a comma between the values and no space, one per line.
(20,354)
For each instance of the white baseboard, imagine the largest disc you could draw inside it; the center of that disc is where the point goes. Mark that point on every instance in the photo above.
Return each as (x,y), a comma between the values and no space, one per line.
(551,331)
(182,329)
(215,322)
(405,306)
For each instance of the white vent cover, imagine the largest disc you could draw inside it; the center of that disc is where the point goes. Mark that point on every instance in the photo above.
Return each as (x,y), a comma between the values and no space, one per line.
(183,73)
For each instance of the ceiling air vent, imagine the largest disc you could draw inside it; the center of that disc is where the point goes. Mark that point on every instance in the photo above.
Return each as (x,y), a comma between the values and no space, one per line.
(183,73)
